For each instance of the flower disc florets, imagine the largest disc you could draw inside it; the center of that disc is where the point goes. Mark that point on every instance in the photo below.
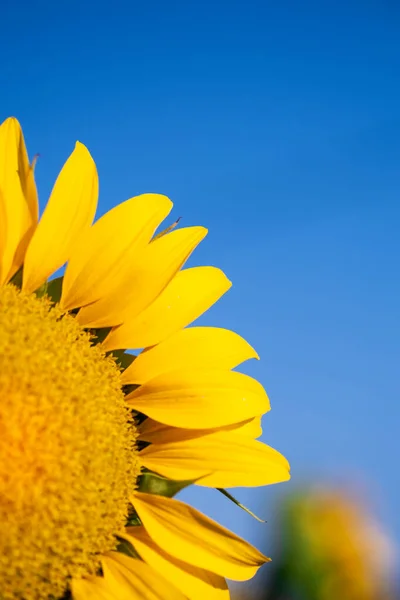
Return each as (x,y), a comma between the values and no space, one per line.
(67,449)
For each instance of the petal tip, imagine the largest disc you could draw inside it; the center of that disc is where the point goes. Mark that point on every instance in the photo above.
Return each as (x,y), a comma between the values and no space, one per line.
(11,120)
(80,147)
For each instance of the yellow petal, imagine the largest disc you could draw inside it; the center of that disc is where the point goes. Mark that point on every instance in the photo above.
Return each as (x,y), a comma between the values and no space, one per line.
(200,398)
(101,260)
(136,580)
(95,588)
(3,233)
(148,276)
(201,347)
(68,214)
(221,459)
(195,583)
(188,296)
(159,433)
(190,536)
(251,428)
(19,210)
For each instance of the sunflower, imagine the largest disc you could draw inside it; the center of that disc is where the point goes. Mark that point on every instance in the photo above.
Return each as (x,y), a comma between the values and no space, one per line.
(94,441)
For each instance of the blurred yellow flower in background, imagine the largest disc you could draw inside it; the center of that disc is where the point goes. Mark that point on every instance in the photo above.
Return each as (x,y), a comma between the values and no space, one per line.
(328,547)
(95,442)
(338,542)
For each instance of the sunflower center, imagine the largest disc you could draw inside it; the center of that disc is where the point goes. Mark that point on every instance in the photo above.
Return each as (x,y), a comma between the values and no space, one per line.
(67,449)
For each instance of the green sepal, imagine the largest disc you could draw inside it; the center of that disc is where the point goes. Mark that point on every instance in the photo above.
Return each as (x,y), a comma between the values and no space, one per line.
(54,289)
(133,520)
(99,334)
(16,279)
(123,359)
(42,290)
(240,505)
(150,483)
(51,289)
(166,230)
(126,547)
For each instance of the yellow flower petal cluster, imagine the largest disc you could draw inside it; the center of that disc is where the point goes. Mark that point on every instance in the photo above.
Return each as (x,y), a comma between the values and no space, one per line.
(178,412)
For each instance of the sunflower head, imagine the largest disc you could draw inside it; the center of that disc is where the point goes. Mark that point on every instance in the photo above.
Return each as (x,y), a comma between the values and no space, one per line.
(95,442)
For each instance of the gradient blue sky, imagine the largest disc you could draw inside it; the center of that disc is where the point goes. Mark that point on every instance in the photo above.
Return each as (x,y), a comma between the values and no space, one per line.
(276,125)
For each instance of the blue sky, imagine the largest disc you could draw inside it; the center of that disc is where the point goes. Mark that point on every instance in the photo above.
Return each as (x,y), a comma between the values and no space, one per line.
(276,125)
